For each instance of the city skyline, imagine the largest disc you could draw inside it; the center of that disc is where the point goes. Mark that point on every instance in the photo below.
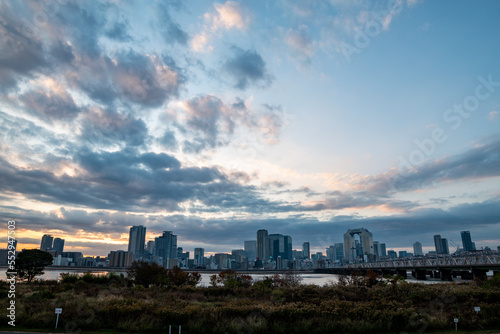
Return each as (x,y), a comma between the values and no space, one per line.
(214,120)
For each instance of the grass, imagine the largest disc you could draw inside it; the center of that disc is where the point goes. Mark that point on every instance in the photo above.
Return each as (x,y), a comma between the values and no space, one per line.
(356,306)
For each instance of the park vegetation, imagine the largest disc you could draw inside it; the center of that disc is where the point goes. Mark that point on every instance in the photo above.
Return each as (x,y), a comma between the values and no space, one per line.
(149,299)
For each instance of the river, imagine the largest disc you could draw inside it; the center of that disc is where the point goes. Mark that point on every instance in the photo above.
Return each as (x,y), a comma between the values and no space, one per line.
(307,278)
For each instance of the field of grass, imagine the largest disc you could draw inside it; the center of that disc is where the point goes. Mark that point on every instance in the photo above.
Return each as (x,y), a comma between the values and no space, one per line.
(355,305)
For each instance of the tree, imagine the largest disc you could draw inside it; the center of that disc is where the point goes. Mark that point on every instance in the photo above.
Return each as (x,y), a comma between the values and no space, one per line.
(145,274)
(30,263)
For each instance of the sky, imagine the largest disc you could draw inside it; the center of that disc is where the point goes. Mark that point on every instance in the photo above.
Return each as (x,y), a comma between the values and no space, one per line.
(216,119)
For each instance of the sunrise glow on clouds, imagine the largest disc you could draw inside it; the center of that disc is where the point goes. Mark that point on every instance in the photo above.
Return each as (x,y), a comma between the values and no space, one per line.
(216,119)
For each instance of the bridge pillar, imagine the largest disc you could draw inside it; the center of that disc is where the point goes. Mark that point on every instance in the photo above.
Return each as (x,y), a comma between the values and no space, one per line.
(420,274)
(445,275)
(454,274)
(479,274)
(402,272)
(413,273)
(466,275)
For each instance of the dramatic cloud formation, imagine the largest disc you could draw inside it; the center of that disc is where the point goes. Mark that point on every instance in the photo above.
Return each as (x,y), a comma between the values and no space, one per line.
(214,120)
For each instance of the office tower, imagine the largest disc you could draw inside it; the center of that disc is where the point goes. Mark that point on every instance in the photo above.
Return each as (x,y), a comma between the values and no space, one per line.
(438,243)
(276,245)
(417,249)
(376,248)
(306,250)
(136,241)
(199,256)
(180,252)
(446,249)
(251,249)
(383,251)
(46,243)
(166,246)
(288,248)
(403,254)
(262,245)
(339,251)
(467,241)
(365,244)
(58,244)
(150,247)
(392,254)
(120,258)
(330,253)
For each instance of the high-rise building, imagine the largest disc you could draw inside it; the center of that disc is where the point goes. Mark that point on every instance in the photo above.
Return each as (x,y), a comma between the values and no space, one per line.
(306,250)
(467,241)
(276,245)
(446,249)
(383,251)
(376,248)
(288,248)
(166,246)
(58,245)
(365,244)
(392,254)
(46,243)
(120,258)
(403,254)
(251,249)
(199,257)
(136,241)
(417,249)
(339,251)
(150,248)
(262,244)
(438,243)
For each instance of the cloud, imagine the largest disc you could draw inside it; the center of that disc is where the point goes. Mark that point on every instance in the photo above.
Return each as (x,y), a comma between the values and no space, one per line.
(106,127)
(247,68)
(208,122)
(301,45)
(50,100)
(22,53)
(147,80)
(228,16)
(480,161)
(171,31)
(493,115)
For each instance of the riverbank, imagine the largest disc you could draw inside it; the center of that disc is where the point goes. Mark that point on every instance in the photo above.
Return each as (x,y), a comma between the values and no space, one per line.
(354,305)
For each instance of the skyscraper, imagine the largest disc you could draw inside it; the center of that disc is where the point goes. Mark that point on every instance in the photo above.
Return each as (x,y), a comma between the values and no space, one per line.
(446,249)
(467,241)
(136,241)
(438,243)
(46,243)
(199,256)
(166,246)
(262,244)
(58,244)
(306,250)
(383,251)
(417,249)
(339,251)
(251,249)
(150,247)
(365,245)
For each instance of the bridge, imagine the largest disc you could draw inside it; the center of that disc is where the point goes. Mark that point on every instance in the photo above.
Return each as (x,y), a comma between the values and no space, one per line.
(468,266)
